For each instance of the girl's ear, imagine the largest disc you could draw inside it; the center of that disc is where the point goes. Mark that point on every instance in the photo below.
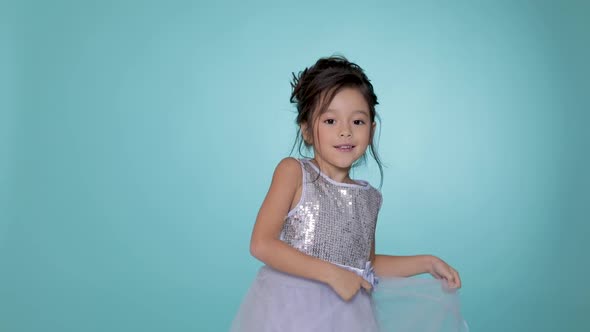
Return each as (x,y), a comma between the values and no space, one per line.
(306,133)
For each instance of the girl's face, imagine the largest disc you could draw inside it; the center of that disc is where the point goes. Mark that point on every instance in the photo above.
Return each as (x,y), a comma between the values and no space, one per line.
(342,134)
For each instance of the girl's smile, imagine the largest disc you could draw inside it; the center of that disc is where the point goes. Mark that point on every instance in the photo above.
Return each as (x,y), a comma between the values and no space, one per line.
(344,147)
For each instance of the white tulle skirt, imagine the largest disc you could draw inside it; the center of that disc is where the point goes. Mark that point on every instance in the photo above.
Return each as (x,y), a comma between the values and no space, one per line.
(279,302)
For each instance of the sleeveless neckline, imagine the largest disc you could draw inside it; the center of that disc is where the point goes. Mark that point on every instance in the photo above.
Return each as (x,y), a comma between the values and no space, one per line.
(362,184)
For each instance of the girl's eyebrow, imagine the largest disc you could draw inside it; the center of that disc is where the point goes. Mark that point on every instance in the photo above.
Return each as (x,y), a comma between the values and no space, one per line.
(364,112)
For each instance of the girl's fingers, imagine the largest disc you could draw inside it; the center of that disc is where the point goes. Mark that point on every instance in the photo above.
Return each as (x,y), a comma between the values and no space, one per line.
(451,276)
(453,279)
(366,285)
(457,278)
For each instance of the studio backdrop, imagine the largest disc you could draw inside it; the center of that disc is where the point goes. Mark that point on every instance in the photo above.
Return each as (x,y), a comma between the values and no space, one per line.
(138,140)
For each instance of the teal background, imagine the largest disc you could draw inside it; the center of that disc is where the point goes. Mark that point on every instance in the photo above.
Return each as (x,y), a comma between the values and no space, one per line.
(138,139)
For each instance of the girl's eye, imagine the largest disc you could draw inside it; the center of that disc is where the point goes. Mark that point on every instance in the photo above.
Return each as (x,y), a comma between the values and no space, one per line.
(329,121)
(358,122)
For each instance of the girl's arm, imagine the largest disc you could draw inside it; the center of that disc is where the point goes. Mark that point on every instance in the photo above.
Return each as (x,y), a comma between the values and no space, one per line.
(266,246)
(407,266)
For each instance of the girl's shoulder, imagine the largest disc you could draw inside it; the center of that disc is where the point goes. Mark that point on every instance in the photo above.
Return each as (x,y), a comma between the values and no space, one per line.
(289,166)
(288,170)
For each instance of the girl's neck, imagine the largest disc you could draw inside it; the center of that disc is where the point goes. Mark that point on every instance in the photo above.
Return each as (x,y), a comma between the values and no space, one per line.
(335,173)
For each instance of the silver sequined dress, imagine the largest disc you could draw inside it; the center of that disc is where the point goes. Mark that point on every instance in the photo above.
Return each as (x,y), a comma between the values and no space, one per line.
(333,221)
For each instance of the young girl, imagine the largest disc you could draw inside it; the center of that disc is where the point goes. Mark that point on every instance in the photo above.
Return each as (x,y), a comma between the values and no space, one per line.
(315,230)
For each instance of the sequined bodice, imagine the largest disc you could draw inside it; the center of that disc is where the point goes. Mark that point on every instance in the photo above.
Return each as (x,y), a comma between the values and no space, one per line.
(333,221)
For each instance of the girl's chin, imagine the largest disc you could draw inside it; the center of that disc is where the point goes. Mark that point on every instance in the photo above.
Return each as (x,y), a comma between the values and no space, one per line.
(340,159)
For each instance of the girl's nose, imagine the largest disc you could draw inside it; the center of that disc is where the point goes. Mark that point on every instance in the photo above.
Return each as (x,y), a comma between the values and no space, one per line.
(345,133)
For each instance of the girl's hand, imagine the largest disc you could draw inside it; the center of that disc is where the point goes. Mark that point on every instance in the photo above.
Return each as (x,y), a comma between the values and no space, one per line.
(346,283)
(441,270)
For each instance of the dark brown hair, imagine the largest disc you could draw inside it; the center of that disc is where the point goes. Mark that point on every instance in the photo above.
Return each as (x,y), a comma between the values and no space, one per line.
(315,87)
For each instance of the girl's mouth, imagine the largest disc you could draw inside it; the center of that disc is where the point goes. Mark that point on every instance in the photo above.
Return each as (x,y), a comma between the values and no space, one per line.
(344,147)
